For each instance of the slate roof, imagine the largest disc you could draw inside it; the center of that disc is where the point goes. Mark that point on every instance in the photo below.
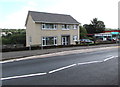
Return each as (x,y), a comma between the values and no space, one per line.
(42,17)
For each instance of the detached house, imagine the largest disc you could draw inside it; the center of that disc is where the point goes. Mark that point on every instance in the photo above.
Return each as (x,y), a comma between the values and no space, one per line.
(49,29)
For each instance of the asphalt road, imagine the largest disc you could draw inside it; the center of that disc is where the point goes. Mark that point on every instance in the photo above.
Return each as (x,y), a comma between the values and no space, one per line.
(89,68)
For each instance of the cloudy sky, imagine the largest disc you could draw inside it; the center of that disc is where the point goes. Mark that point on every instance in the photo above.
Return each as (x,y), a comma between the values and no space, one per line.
(13,13)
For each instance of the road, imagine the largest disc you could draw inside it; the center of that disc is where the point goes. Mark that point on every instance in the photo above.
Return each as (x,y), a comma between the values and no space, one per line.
(88,68)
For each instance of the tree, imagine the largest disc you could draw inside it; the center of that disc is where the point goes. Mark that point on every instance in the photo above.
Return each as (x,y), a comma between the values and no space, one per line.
(83,33)
(18,39)
(96,26)
(17,36)
(89,28)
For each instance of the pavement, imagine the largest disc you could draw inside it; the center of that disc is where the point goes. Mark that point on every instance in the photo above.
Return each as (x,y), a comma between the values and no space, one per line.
(98,66)
(21,54)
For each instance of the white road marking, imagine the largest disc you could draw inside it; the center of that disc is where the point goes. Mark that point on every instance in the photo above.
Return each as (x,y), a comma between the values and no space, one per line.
(62,68)
(89,62)
(6,61)
(22,76)
(110,58)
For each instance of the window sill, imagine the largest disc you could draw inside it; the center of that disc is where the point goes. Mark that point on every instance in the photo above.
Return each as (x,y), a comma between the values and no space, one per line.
(65,29)
(49,45)
(48,29)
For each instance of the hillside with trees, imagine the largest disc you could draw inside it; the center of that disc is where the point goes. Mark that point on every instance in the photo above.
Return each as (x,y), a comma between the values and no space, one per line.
(13,36)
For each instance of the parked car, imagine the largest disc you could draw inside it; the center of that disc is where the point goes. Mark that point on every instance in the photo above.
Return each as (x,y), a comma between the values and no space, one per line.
(86,41)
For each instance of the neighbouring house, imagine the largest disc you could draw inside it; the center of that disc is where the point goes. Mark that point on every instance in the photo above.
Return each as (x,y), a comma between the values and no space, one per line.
(3,34)
(49,29)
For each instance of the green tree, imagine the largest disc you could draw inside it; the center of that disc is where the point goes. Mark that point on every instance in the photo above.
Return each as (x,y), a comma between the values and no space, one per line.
(83,32)
(6,41)
(96,26)
(17,36)
(18,39)
(89,28)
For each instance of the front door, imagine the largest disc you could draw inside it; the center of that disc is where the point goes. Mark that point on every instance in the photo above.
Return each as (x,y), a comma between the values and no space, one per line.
(65,40)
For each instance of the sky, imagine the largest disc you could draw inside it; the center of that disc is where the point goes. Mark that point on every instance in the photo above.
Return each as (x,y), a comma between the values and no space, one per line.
(13,13)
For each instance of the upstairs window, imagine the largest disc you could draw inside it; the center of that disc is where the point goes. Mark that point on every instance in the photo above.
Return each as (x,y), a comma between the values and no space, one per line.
(55,26)
(49,26)
(75,26)
(65,27)
(43,26)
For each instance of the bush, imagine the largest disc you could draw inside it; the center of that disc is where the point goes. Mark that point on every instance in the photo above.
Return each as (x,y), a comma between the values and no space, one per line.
(51,47)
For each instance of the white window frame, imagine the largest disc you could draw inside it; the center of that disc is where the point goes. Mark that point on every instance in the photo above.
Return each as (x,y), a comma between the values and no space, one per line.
(63,26)
(75,38)
(55,38)
(45,26)
(67,27)
(75,26)
(55,26)
(44,38)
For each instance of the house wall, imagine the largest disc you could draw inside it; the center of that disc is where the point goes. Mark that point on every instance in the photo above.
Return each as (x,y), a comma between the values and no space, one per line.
(36,32)
(30,32)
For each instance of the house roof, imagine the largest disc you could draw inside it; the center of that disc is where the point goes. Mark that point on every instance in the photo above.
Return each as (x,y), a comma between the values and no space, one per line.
(42,17)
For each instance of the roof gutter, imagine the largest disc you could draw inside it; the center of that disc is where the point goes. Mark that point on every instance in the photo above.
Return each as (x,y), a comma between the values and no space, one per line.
(54,22)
